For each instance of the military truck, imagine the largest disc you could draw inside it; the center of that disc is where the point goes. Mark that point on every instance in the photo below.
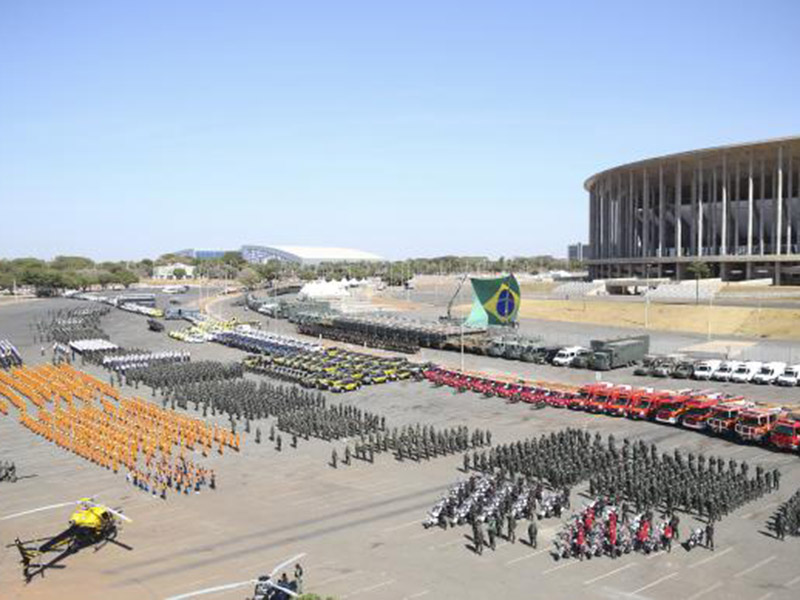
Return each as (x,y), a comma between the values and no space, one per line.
(621,352)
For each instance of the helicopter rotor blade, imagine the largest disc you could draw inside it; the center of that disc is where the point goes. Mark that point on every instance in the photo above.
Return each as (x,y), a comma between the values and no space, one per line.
(211,590)
(286,563)
(283,589)
(116,513)
(35,510)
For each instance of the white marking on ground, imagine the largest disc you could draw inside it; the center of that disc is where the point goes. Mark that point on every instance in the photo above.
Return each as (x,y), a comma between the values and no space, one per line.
(710,558)
(417,595)
(609,574)
(757,511)
(370,588)
(403,526)
(758,565)
(791,582)
(325,582)
(211,590)
(561,566)
(526,556)
(705,591)
(654,583)
(446,544)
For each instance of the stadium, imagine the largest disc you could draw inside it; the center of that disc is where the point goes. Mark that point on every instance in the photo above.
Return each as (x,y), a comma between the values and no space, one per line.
(734,207)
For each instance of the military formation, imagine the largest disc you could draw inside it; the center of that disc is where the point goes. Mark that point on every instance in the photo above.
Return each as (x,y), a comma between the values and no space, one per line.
(371,436)
(629,481)
(9,356)
(786,520)
(164,377)
(8,472)
(708,486)
(67,325)
(242,399)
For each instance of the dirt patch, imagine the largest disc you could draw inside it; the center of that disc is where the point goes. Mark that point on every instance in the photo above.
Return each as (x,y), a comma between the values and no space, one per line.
(777,323)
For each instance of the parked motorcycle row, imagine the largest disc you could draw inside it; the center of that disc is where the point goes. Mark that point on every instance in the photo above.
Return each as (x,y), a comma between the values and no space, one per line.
(487,496)
(9,356)
(602,529)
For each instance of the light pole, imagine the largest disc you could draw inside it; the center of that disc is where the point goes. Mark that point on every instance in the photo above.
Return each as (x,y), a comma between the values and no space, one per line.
(647,297)
(462,346)
(710,306)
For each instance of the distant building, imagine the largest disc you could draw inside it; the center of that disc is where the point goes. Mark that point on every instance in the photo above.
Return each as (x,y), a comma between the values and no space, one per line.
(306,255)
(735,208)
(201,254)
(168,271)
(578,252)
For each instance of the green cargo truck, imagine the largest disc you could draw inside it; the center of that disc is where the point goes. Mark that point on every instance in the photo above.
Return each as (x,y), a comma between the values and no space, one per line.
(620,352)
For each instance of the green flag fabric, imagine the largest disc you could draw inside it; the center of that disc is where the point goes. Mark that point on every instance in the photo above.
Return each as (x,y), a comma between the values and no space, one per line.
(494,301)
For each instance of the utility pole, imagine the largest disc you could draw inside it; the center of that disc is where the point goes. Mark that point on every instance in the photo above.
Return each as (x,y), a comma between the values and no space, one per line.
(462,346)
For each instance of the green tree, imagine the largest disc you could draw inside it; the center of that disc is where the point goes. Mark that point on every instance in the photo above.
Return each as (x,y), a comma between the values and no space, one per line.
(700,270)
(71,263)
(179,273)
(249,278)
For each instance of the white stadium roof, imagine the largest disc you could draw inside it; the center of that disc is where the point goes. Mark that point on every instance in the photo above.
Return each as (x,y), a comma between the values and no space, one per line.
(305,254)
(323,253)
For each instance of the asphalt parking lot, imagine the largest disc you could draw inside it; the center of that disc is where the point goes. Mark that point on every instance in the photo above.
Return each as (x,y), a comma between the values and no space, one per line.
(361,525)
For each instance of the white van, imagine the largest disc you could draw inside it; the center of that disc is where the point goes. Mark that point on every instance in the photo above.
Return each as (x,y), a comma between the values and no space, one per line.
(790,377)
(746,371)
(769,372)
(706,368)
(725,370)
(565,356)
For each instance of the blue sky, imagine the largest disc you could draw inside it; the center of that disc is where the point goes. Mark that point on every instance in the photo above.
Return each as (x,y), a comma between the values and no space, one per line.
(406,128)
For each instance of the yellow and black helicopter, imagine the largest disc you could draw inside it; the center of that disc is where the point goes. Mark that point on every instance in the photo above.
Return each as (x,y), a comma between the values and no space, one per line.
(92,524)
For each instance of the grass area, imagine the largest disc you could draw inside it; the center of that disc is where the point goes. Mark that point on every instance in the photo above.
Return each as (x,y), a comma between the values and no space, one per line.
(774,323)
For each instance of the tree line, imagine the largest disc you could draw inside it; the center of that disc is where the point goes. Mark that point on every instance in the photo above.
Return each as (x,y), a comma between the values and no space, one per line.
(80,273)
(67,272)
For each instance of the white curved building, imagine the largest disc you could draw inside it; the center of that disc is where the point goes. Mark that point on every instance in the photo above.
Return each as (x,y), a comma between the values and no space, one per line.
(735,207)
(307,255)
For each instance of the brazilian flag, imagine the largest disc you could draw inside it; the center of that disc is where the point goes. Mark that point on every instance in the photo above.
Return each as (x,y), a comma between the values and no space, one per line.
(494,301)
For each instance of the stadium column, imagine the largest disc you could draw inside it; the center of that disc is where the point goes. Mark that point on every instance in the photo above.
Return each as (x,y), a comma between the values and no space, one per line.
(712,213)
(779,201)
(700,209)
(624,219)
(789,231)
(737,190)
(646,226)
(750,197)
(678,205)
(591,220)
(660,251)
(693,220)
(634,217)
(723,250)
(761,199)
(603,220)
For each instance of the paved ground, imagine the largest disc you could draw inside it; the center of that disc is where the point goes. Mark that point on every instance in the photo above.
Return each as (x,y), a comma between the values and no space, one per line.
(361,526)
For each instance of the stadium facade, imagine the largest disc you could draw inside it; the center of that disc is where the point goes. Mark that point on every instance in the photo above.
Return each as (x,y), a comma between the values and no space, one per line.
(736,207)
